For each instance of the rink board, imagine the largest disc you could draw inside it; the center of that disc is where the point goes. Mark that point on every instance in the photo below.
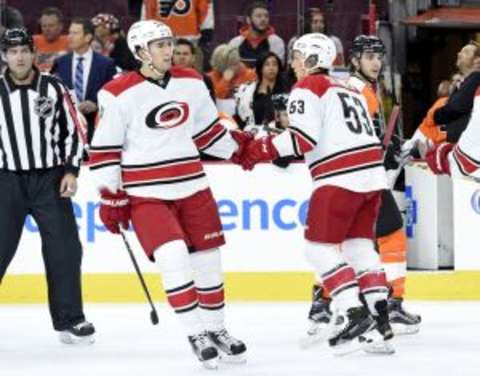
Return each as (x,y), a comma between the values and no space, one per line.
(272,286)
(263,214)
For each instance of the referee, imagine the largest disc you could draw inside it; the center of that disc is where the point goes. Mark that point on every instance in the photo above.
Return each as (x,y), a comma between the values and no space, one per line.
(40,155)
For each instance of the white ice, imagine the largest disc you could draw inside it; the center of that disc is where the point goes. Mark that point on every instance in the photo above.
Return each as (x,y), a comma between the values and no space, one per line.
(127,344)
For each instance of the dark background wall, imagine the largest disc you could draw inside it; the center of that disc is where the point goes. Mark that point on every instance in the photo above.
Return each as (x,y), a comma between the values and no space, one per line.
(343,16)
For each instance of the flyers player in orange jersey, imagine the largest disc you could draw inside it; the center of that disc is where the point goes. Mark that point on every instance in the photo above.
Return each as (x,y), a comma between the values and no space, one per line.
(366,59)
(189,19)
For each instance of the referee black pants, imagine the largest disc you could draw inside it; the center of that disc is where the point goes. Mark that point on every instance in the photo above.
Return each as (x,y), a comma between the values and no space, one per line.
(37,193)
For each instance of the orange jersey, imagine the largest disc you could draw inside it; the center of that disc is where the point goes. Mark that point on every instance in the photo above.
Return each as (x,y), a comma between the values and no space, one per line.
(429,128)
(368,93)
(185,17)
(47,52)
(224,89)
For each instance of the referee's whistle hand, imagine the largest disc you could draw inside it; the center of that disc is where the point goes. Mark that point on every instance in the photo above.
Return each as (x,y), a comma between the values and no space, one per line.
(68,186)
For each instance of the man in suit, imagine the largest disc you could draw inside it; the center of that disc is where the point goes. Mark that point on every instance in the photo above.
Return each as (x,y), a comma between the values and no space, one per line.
(84,71)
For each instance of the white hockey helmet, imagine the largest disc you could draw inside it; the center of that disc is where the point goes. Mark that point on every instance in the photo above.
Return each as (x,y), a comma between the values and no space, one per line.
(141,33)
(317,50)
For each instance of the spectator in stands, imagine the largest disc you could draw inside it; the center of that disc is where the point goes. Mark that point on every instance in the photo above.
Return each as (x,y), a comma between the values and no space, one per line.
(50,43)
(184,56)
(315,22)
(84,71)
(228,72)
(110,41)
(10,18)
(254,104)
(456,112)
(192,20)
(258,37)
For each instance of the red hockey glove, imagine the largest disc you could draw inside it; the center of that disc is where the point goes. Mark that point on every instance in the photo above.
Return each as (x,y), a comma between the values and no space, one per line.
(437,158)
(260,150)
(114,210)
(242,139)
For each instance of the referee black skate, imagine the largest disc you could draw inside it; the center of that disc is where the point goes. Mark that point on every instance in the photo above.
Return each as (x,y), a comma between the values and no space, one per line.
(40,155)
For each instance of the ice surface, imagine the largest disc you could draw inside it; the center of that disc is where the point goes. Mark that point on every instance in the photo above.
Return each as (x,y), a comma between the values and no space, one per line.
(127,344)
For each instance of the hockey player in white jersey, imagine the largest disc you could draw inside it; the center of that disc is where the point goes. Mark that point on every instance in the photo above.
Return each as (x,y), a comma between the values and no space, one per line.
(145,158)
(461,159)
(330,126)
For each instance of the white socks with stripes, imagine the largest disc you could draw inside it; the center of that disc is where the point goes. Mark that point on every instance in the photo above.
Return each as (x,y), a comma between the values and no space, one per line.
(193,284)
(208,276)
(361,255)
(336,275)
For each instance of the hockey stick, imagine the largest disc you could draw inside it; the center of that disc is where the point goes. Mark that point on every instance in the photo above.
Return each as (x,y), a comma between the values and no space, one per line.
(392,121)
(153,313)
(82,132)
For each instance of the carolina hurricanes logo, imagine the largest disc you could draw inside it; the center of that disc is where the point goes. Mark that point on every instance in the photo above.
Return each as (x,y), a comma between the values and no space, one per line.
(168,115)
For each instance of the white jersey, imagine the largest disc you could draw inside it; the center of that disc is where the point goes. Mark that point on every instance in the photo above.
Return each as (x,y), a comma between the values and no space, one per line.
(465,158)
(330,125)
(149,135)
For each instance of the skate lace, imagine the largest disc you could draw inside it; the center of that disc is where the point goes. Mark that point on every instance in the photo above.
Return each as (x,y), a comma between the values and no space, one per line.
(226,338)
(201,340)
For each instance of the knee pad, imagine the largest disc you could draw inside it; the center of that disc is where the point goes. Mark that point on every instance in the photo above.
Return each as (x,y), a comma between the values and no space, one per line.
(173,261)
(361,255)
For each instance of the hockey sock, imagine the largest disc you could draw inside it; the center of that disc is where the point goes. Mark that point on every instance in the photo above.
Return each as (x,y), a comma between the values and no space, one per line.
(337,276)
(173,260)
(371,278)
(208,275)
(393,254)
(318,283)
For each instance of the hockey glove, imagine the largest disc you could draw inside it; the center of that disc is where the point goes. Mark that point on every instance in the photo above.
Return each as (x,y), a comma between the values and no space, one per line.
(437,158)
(242,139)
(260,150)
(114,210)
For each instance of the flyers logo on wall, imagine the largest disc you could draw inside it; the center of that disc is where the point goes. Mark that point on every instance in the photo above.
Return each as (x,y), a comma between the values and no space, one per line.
(175,7)
(168,115)
(475,201)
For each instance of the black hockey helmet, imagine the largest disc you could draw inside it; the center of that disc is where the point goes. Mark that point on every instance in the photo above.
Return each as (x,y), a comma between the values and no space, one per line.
(17,36)
(363,43)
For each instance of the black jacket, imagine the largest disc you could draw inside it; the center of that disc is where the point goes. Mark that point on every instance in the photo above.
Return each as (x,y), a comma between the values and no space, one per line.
(456,112)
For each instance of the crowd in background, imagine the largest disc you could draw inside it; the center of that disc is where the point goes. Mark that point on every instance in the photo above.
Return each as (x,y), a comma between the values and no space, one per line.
(249,76)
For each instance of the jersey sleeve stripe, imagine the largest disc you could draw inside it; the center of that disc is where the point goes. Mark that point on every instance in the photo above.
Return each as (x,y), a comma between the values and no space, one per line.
(466,164)
(303,135)
(206,130)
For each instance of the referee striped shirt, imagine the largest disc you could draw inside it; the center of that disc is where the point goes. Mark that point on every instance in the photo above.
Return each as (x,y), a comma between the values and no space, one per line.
(38,125)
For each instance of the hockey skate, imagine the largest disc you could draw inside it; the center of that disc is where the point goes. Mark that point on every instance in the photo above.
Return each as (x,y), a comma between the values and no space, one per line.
(205,350)
(79,334)
(381,333)
(319,317)
(358,334)
(402,321)
(231,350)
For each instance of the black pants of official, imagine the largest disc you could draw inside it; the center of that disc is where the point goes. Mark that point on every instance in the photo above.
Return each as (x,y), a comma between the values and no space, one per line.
(37,193)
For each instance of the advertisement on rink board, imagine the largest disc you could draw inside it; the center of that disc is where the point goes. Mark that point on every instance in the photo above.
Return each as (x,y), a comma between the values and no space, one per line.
(466,214)
(263,213)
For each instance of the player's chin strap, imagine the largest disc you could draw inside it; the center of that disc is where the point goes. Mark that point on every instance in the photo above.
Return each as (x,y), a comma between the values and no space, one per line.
(149,62)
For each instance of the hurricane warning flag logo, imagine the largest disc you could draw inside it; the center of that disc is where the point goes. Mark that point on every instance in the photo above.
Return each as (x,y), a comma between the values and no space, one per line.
(168,115)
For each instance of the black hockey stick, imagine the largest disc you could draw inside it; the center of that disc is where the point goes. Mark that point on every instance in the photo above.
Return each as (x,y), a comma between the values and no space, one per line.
(153,313)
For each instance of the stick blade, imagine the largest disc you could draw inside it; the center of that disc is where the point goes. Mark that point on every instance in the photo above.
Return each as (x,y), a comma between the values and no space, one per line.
(154,317)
